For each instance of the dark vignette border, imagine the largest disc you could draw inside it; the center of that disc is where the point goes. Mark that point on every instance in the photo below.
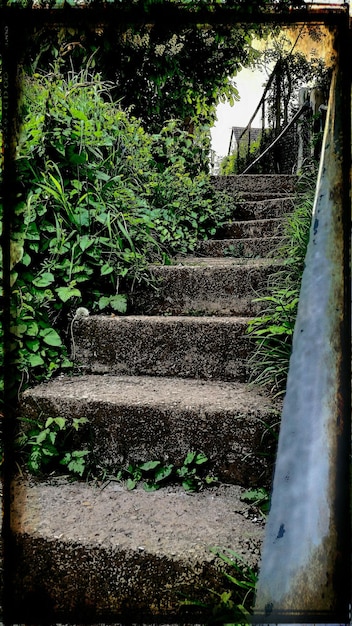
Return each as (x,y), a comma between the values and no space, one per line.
(16,25)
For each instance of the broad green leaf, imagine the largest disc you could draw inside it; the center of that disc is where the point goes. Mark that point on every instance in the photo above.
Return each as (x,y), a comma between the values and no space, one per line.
(78,158)
(59,421)
(32,344)
(85,242)
(78,114)
(106,269)
(65,293)
(117,303)
(32,329)
(42,436)
(130,484)
(149,465)
(77,466)
(50,337)
(52,437)
(26,259)
(35,360)
(66,459)
(201,458)
(162,473)
(253,495)
(188,485)
(79,454)
(79,421)
(149,487)
(189,458)
(44,280)
(102,175)
(19,330)
(103,302)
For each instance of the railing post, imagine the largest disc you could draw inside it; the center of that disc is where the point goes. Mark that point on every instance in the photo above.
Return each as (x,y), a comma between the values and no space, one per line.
(305,569)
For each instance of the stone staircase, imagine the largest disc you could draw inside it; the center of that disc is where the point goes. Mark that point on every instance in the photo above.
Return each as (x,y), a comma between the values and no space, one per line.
(168,378)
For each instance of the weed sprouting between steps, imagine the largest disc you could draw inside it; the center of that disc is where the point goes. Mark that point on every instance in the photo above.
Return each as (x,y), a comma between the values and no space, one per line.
(55,448)
(234,605)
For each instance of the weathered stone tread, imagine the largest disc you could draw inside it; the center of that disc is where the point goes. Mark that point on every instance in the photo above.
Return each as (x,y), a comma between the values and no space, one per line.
(257,247)
(108,552)
(185,347)
(134,419)
(205,286)
(151,391)
(270,227)
(268,184)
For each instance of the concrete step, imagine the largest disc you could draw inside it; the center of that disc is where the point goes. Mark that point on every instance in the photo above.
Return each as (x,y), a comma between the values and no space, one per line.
(252,228)
(134,419)
(262,185)
(253,208)
(205,286)
(86,554)
(253,247)
(185,347)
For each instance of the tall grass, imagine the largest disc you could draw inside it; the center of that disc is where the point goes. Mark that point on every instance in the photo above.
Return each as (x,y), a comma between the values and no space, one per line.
(272,330)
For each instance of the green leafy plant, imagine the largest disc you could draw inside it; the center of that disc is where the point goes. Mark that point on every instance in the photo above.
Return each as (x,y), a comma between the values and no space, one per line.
(272,330)
(49,447)
(234,250)
(244,579)
(233,605)
(100,200)
(189,472)
(193,474)
(259,497)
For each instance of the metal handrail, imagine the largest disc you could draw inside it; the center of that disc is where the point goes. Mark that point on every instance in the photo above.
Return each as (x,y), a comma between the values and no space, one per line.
(278,68)
(284,131)
(267,87)
(304,573)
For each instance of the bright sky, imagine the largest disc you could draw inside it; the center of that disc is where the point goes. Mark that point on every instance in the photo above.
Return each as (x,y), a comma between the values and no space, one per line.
(250,86)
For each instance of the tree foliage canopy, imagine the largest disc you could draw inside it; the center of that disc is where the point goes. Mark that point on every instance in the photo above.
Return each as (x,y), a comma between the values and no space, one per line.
(163,69)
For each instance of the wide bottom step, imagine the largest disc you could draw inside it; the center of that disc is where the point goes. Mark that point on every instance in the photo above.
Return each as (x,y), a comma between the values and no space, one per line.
(90,553)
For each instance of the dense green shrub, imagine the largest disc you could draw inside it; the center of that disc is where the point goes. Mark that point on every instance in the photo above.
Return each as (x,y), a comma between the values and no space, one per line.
(100,200)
